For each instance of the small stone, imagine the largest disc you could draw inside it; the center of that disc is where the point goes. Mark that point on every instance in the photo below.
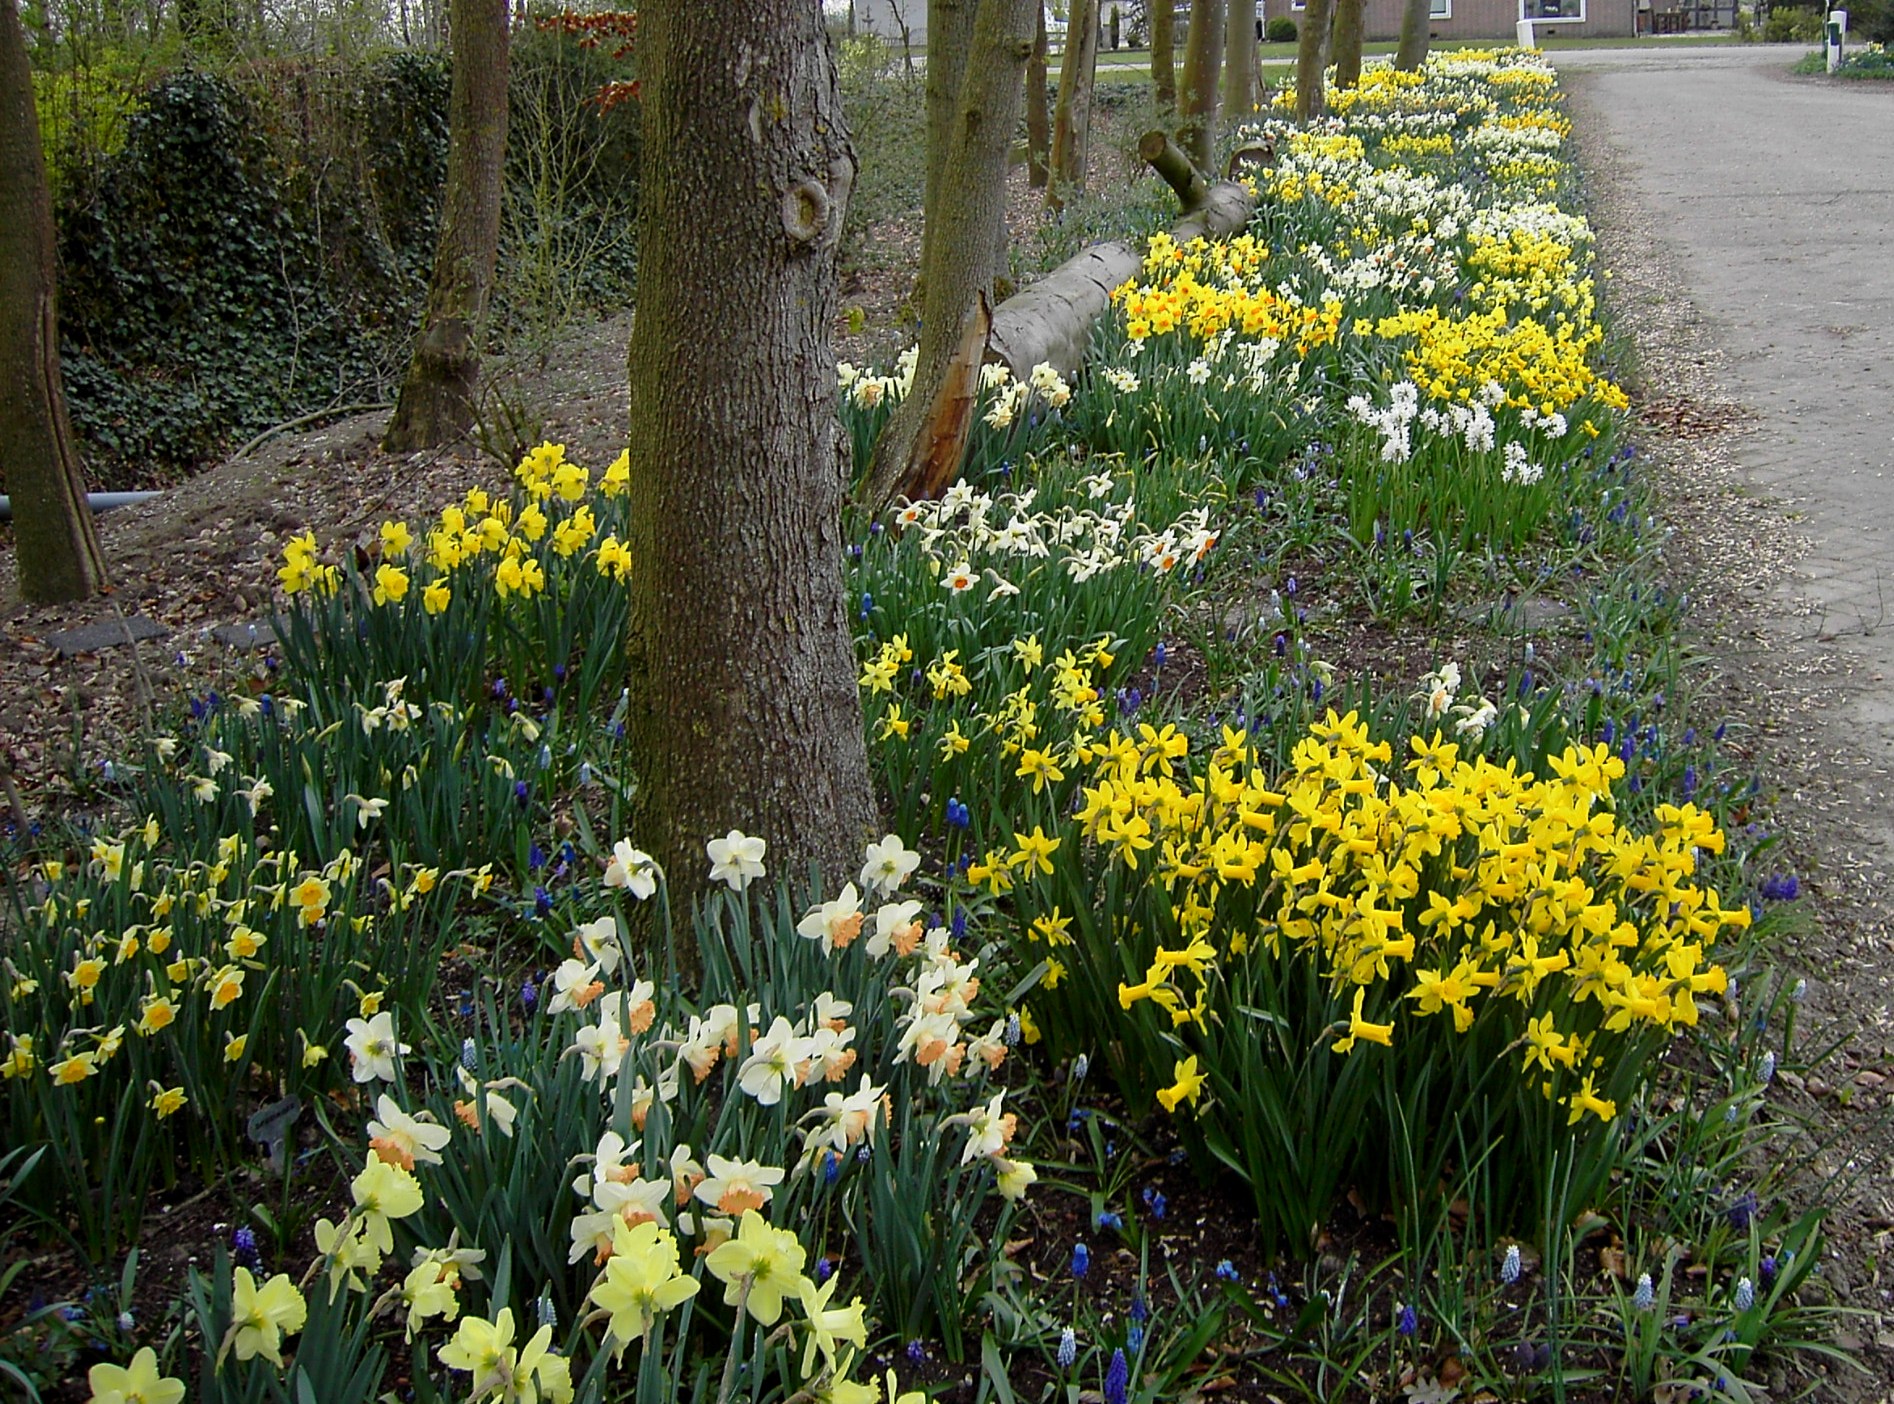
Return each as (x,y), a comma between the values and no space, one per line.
(243,637)
(105,633)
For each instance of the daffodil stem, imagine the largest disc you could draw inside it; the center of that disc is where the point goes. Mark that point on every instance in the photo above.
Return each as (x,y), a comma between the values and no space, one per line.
(736,1344)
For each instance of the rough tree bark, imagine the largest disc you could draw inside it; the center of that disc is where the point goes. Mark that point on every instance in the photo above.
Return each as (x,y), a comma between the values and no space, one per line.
(743,707)
(959,241)
(56,545)
(1163,15)
(949,36)
(1072,124)
(1348,22)
(438,397)
(1416,16)
(1038,121)
(1311,49)
(1203,58)
(1239,61)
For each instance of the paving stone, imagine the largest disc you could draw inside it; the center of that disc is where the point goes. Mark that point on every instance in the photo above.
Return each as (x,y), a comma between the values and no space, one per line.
(105,633)
(1534,612)
(259,634)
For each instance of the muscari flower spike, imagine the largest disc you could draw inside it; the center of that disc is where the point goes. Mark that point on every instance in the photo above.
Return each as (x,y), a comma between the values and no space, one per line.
(1117,1378)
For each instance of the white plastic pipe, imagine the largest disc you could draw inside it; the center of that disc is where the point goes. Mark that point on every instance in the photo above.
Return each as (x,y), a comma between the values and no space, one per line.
(97,501)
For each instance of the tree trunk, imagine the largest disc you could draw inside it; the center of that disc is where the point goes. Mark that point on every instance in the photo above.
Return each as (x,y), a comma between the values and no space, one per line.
(438,398)
(57,547)
(1239,62)
(1163,15)
(1311,48)
(743,708)
(1072,125)
(1203,55)
(1038,123)
(949,36)
(958,241)
(1416,16)
(1348,21)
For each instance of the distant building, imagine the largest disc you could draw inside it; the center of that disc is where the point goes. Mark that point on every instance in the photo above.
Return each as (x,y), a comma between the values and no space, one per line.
(1499,19)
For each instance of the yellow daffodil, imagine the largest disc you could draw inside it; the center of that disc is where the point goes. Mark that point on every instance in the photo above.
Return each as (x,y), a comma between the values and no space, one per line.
(1187,1087)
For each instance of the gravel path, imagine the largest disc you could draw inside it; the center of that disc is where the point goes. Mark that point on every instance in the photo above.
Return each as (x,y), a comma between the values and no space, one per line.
(1747,216)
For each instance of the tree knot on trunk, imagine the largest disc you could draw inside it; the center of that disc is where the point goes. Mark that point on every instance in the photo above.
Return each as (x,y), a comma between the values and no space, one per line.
(806,208)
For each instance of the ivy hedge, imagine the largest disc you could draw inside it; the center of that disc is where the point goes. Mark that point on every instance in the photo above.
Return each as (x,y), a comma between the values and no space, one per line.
(259,244)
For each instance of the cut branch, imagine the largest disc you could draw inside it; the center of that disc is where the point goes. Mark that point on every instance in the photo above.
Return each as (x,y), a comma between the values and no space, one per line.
(1169,160)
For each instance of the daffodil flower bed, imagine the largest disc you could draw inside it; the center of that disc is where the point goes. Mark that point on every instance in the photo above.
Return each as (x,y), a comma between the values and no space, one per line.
(766,1171)
(1431,947)
(1416,957)
(150,1003)
(1005,618)
(432,785)
(526,588)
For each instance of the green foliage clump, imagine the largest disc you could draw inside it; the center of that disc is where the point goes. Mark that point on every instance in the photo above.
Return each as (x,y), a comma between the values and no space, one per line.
(881,94)
(193,300)
(1792,25)
(1872,21)
(1280,30)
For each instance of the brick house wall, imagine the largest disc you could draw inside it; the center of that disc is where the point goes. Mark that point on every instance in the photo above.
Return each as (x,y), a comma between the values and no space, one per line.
(1497,19)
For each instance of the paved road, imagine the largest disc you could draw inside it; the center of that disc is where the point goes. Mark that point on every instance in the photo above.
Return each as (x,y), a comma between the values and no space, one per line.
(1780,192)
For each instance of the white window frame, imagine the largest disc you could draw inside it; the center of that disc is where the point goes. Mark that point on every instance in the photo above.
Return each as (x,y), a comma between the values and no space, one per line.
(1441,9)
(1578,18)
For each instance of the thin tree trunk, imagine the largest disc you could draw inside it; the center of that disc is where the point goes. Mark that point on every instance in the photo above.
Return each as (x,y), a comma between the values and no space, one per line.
(1038,123)
(1203,55)
(1348,21)
(438,398)
(1163,15)
(1416,16)
(743,708)
(1311,59)
(1239,62)
(1072,125)
(949,36)
(959,238)
(56,546)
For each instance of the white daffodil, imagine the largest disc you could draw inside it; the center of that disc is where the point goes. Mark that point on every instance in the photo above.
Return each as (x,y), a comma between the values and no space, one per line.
(736,859)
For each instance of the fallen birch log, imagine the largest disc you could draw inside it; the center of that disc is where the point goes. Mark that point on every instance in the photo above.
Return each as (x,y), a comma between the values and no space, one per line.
(1052,320)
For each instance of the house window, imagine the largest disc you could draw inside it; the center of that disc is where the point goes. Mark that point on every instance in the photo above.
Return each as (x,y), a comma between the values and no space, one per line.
(1553,11)
(1440,9)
